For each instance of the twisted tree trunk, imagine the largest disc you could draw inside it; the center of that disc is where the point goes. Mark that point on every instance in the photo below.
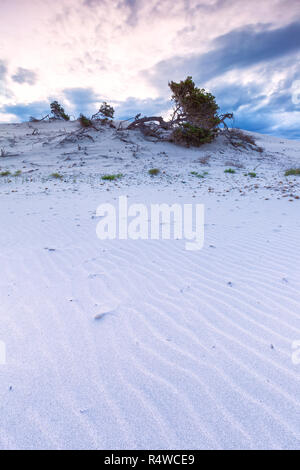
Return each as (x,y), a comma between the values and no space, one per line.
(140,122)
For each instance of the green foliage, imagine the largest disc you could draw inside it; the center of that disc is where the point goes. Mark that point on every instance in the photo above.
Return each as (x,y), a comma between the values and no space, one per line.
(106,110)
(154,172)
(56,176)
(229,170)
(112,177)
(194,105)
(58,111)
(195,114)
(5,173)
(199,175)
(190,135)
(84,121)
(293,172)
(18,173)
(252,174)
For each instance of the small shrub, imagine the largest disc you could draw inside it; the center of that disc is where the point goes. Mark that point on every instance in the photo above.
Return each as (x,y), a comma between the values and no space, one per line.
(56,176)
(190,135)
(229,170)
(252,174)
(18,173)
(5,173)
(105,112)
(199,175)
(112,177)
(154,171)
(293,172)
(58,111)
(84,121)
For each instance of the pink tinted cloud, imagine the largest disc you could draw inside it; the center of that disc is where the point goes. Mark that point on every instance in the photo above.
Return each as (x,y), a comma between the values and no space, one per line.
(106,44)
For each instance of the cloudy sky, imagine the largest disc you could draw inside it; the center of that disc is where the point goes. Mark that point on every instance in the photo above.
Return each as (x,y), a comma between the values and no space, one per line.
(82,52)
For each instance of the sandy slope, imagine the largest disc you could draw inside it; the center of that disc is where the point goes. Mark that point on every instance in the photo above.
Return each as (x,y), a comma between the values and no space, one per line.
(196,348)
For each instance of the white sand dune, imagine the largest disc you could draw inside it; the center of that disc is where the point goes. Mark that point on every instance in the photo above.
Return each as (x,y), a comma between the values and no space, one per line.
(195,348)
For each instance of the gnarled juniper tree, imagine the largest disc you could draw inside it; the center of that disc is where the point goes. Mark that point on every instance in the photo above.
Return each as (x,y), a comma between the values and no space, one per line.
(195,120)
(195,117)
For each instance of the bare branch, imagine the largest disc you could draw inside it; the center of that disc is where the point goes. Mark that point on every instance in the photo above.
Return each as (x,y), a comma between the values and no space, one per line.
(140,122)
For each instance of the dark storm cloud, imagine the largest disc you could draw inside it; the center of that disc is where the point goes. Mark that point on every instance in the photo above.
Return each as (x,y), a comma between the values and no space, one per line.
(25,76)
(238,49)
(255,111)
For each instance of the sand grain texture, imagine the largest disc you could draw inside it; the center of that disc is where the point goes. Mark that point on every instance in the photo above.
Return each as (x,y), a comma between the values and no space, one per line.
(142,344)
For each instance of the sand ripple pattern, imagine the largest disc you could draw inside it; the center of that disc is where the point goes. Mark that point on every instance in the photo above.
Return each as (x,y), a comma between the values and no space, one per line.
(194,351)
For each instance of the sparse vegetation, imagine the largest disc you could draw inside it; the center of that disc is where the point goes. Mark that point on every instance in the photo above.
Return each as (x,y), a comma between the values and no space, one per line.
(154,171)
(58,112)
(230,171)
(241,139)
(195,114)
(190,135)
(105,112)
(195,120)
(293,172)
(199,175)
(252,174)
(112,177)
(56,176)
(238,137)
(17,173)
(5,173)
(84,121)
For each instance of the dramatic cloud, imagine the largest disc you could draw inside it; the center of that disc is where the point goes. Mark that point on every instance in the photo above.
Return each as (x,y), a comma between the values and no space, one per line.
(25,76)
(83,52)
(238,49)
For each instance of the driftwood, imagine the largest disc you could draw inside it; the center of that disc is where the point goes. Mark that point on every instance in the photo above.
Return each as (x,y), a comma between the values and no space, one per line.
(34,119)
(159,128)
(140,122)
